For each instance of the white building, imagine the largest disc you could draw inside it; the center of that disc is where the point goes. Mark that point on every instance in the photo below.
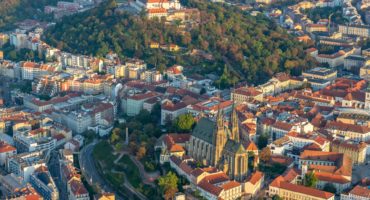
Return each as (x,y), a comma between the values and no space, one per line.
(6,151)
(23,165)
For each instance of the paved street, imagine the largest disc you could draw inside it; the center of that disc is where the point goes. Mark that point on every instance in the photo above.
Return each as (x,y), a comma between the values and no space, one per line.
(54,169)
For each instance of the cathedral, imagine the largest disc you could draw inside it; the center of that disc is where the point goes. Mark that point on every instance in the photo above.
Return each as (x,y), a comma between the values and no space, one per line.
(214,143)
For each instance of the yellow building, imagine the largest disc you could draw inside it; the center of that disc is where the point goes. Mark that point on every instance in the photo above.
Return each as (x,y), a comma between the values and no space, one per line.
(106,196)
(356,151)
(286,190)
(246,94)
(299,192)
(154,45)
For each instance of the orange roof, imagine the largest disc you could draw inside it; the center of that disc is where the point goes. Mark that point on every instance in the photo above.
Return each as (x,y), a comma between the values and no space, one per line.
(77,187)
(276,182)
(283,126)
(30,65)
(306,190)
(256,176)
(291,174)
(328,177)
(230,185)
(250,146)
(360,191)
(157,10)
(5,147)
(247,91)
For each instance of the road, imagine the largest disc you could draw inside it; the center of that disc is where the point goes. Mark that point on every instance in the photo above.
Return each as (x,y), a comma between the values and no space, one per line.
(54,170)
(92,175)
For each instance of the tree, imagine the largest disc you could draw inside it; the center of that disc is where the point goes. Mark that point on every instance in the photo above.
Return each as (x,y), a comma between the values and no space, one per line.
(276,197)
(141,152)
(265,154)
(262,141)
(116,135)
(310,180)
(203,90)
(330,188)
(168,184)
(184,122)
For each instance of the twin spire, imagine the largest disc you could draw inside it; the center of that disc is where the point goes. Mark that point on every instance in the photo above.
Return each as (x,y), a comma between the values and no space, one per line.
(234,123)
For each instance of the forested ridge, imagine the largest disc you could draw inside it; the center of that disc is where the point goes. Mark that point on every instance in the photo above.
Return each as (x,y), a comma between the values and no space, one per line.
(12,11)
(244,47)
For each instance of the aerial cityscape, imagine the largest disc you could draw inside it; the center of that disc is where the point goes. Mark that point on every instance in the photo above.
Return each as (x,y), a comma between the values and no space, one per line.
(185,99)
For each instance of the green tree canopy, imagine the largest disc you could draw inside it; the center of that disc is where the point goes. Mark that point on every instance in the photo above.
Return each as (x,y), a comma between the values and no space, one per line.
(243,47)
(184,122)
(168,184)
(265,154)
(310,180)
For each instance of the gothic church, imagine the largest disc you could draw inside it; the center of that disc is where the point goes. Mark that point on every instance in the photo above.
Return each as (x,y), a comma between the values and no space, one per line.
(216,144)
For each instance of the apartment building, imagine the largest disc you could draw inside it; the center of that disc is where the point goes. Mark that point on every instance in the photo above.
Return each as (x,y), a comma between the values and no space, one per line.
(44,184)
(246,94)
(286,187)
(329,168)
(357,193)
(24,164)
(6,151)
(35,140)
(354,132)
(355,30)
(170,110)
(355,151)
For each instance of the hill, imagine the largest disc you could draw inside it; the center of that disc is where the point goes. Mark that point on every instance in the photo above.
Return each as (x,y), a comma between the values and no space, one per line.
(12,11)
(244,47)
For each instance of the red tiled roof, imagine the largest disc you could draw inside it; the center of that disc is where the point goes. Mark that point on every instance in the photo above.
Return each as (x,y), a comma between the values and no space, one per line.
(333,178)
(250,146)
(290,174)
(230,185)
(157,10)
(306,190)
(360,191)
(144,96)
(347,127)
(256,176)
(268,121)
(283,126)
(247,91)
(5,147)
(209,183)
(77,187)
(169,106)
(197,172)
(30,65)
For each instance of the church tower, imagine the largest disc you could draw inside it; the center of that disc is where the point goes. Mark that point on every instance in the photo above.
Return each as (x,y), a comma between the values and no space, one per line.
(220,138)
(234,125)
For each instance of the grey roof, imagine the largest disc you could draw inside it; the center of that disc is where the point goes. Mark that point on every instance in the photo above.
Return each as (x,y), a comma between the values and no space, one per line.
(234,147)
(205,130)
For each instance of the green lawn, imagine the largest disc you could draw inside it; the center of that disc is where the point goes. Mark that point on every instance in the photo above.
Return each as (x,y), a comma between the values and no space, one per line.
(132,172)
(115,179)
(103,152)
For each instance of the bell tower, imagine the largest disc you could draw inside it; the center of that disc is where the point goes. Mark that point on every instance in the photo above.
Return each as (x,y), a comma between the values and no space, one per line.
(219,138)
(234,125)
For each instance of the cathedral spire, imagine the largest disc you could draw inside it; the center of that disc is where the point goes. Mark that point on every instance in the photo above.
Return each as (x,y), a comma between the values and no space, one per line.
(219,119)
(234,124)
